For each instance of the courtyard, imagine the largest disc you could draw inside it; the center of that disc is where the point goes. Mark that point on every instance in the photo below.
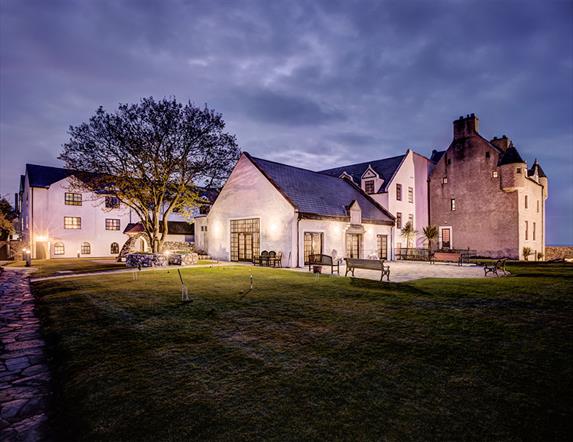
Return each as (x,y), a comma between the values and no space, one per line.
(299,357)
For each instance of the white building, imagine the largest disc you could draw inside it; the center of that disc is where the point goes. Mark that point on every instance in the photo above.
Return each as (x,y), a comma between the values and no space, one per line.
(399,184)
(60,222)
(271,206)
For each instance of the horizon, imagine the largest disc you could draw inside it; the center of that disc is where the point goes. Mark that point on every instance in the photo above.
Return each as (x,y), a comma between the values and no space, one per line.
(310,84)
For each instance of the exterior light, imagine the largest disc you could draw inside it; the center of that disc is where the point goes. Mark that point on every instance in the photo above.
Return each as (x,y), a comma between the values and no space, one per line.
(41,238)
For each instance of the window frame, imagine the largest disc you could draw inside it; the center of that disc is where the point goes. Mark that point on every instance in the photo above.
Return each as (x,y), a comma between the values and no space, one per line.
(398,192)
(59,248)
(367,184)
(399,220)
(410,194)
(71,199)
(72,225)
(85,246)
(114,246)
(110,224)
(452,204)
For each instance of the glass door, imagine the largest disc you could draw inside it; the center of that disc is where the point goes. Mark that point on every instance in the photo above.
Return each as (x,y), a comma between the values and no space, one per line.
(353,245)
(312,244)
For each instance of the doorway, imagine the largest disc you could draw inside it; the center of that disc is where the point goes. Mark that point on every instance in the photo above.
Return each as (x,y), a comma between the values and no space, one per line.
(41,249)
(312,244)
(353,245)
(245,239)
(446,235)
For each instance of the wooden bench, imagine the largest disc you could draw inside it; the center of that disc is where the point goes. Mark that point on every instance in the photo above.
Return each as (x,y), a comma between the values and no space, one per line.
(323,260)
(499,265)
(446,257)
(367,264)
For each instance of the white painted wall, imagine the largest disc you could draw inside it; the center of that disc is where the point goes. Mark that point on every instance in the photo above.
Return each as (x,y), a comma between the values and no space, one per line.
(248,194)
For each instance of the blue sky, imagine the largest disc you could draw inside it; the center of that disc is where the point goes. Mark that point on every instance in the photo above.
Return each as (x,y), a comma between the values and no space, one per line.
(309,83)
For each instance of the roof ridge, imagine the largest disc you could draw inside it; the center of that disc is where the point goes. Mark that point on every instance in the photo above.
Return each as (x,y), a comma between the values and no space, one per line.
(367,163)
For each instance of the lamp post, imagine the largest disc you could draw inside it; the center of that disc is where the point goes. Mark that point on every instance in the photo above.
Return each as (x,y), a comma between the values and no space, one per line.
(28,257)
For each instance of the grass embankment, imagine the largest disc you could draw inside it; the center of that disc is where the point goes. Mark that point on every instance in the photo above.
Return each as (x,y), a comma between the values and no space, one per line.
(301,358)
(51,267)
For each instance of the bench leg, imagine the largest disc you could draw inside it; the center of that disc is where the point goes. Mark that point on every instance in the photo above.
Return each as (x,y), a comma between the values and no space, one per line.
(347,269)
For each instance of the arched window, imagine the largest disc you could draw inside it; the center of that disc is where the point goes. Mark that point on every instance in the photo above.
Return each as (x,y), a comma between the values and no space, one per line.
(114,248)
(86,248)
(59,248)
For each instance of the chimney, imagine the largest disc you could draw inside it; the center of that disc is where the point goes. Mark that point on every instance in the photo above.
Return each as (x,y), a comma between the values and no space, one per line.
(466,127)
(502,143)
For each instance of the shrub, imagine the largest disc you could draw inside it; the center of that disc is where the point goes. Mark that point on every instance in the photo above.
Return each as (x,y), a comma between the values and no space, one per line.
(526,252)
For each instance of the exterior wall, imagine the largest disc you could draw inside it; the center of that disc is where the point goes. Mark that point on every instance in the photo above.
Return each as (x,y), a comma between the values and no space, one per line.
(422,216)
(44,211)
(248,194)
(485,218)
(334,237)
(530,214)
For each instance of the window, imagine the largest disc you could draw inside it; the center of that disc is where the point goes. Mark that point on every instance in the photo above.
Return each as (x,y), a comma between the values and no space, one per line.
(487,154)
(369,186)
(411,220)
(526,230)
(399,220)
(410,195)
(111,224)
(86,249)
(72,222)
(353,245)
(494,174)
(526,201)
(245,239)
(382,246)
(453,204)
(111,202)
(73,199)
(445,180)
(537,206)
(449,161)
(59,248)
(114,248)
(399,192)
(518,170)
(312,245)
(533,233)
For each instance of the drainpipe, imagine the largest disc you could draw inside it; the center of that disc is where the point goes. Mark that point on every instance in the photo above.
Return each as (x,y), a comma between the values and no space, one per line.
(297,240)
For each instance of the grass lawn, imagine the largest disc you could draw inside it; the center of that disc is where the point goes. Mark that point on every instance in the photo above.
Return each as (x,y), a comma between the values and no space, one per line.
(307,359)
(51,267)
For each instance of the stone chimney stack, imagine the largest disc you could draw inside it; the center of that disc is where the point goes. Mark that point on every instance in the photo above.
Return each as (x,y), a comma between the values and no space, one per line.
(501,143)
(466,127)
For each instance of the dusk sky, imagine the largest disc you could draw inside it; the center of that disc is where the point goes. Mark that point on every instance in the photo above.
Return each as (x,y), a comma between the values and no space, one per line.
(309,83)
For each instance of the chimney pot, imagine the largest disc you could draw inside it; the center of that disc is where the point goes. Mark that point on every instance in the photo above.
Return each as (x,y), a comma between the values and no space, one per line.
(466,127)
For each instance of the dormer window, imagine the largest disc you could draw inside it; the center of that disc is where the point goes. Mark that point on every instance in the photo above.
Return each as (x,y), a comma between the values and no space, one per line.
(369,186)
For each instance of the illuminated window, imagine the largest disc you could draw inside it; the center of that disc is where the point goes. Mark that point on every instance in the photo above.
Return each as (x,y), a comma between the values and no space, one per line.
(445,180)
(494,174)
(453,204)
(369,186)
(382,246)
(111,224)
(114,249)
(73,199)
(59,248)
(72,222)
(86,249)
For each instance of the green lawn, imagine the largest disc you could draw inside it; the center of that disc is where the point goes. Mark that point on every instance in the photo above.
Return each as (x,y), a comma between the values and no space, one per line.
(298,358)
(51,267)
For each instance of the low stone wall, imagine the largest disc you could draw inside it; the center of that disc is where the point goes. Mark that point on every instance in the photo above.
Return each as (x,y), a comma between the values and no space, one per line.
(558,252)
(176,246)
(145,260)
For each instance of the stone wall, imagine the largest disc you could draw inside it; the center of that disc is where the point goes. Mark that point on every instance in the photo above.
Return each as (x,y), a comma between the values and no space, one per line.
(558,252)
(177,246)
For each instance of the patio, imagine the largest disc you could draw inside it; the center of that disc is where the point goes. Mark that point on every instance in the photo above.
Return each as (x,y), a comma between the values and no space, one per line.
(401,271)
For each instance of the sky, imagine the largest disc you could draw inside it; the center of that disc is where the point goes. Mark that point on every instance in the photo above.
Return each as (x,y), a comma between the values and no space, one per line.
(310,83)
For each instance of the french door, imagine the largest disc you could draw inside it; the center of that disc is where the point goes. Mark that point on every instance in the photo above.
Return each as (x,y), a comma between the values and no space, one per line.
(446,237)
(245,239)
(312,244)
(382,241)
(353,245)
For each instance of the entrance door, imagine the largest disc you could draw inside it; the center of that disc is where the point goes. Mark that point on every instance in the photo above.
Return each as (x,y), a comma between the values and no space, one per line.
(41,249)
(353,245)
(446,237)
(245,239)
(382,246)
(312,244)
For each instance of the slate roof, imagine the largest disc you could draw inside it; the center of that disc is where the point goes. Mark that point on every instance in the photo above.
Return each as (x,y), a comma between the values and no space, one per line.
(44,176)
(173,228)
(437,155)
(511,156)
(315,193)
(385,168)
(540,172)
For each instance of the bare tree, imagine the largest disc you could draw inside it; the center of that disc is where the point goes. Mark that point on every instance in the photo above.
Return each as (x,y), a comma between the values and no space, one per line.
(152,156)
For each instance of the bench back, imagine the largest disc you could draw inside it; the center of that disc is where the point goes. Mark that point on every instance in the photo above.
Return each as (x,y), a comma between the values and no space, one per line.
(446,255)
(320,259)
(372,264)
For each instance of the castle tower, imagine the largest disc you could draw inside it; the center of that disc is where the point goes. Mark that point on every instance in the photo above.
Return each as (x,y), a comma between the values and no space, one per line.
(537,173)
(513,169)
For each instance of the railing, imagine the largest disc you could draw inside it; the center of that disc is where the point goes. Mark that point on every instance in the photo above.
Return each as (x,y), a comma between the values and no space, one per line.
(419,254)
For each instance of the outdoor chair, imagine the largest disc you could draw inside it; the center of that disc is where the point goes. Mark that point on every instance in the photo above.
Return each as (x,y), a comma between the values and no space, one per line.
(275,259)
(262,259)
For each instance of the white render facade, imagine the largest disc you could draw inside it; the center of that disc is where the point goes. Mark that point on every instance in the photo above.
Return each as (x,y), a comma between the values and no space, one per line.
(270,220)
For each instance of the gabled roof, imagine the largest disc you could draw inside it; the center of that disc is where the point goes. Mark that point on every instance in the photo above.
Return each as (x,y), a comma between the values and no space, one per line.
(44,176)
(173,228)
(385,169)
(511,156)
(314,193)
